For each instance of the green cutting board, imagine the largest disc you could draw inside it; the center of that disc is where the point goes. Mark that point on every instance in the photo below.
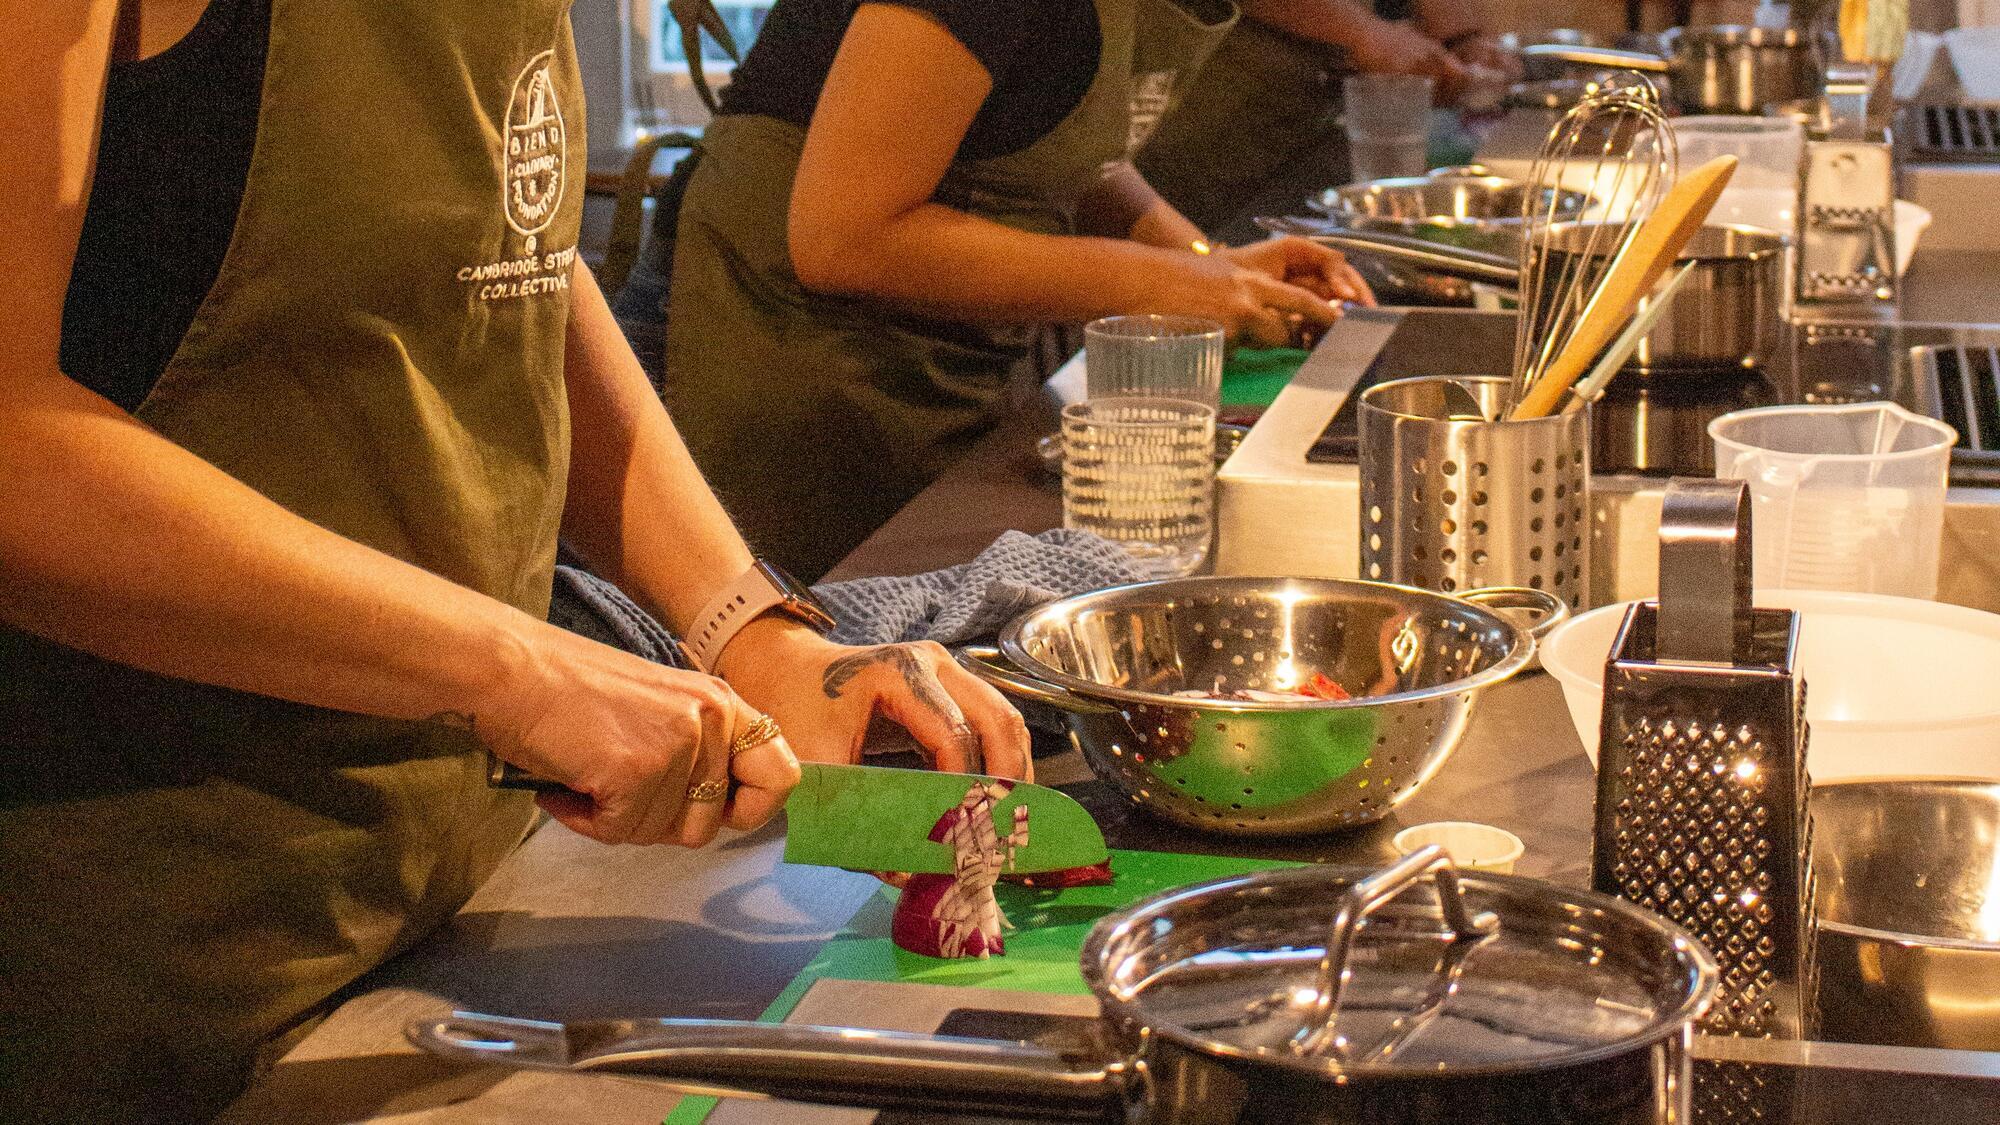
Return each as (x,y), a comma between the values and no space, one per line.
(1254,376)
(1042,949)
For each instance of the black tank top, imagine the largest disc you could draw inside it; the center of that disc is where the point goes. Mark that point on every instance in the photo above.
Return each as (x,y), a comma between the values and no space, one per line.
(172,158)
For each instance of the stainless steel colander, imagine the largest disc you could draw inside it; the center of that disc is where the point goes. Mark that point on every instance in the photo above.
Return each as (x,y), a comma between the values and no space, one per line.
(1112,661)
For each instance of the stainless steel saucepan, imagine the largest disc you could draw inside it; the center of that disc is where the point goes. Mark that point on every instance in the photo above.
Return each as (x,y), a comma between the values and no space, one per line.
(1725,68)
(1725,317)
(1148,680)
(1308,996)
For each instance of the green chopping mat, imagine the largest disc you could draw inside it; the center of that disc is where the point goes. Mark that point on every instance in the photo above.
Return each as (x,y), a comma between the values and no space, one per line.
(1254,376)
(1042,949)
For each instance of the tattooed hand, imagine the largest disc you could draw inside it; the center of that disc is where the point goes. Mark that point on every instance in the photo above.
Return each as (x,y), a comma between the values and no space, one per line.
(824,695)
(922,682)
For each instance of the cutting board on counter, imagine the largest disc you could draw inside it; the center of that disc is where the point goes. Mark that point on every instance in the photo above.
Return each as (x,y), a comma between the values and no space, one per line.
(1042,948)
(1252,377)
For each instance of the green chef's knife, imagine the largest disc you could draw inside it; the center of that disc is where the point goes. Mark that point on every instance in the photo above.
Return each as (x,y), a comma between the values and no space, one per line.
(871,818)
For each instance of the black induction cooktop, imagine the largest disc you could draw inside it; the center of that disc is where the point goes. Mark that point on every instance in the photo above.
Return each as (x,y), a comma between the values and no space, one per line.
(1725,1093)
(1656,423)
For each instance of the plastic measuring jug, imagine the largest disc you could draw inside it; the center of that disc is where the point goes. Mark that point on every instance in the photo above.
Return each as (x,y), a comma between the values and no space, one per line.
(1764,191)
(1844,497)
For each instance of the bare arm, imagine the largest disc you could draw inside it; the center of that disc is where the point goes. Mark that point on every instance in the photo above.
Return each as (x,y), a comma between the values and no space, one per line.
(1449,20)
(639,510)
(116,541)
(1123,205)
(1337,22)
(1376,45)
(896,105)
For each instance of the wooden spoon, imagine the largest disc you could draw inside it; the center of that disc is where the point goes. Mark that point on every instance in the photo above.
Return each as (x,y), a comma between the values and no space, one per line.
(1654,246)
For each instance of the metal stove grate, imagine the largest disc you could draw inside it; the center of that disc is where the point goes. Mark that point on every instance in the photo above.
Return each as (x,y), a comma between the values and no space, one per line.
(1964,383)
(1957,132)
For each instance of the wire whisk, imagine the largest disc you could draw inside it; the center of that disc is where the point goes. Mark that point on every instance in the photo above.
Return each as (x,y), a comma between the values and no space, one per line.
(1615,147)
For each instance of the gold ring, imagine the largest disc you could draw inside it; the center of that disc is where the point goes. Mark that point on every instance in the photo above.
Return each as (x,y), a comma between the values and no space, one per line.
(709,791)
(761,730)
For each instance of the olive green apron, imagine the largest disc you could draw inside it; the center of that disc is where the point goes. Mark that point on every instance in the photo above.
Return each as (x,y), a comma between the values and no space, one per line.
(816,417)
(1257,131)
(187,870)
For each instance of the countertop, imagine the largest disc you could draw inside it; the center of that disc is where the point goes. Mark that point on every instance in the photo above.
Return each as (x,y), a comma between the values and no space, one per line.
(569,928)
(572,929)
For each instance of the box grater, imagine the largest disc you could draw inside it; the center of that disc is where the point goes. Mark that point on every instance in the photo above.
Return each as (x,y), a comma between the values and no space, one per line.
(1847,195)
(1701,781)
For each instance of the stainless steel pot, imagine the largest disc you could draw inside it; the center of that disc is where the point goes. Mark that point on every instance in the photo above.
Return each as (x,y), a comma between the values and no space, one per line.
(1909,908)
(1307,996)
(1112,663)
(1725,68)
(1725,316)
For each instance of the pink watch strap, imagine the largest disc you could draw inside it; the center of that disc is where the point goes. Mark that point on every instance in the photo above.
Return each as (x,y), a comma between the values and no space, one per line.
(740,603)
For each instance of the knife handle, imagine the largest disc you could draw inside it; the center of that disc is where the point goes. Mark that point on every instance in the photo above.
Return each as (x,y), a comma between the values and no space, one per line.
(505,775)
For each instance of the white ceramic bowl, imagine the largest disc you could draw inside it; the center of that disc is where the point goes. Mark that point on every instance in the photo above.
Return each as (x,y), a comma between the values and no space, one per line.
(1894,686)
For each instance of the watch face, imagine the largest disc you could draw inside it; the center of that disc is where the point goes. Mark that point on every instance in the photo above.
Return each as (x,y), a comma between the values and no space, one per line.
(799,600)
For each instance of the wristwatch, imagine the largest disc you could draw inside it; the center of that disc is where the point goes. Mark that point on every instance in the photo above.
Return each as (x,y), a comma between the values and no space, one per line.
(763,588)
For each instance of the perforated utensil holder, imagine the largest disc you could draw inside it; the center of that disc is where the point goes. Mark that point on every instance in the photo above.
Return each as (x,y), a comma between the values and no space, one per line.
(1701,779)
(1451,501)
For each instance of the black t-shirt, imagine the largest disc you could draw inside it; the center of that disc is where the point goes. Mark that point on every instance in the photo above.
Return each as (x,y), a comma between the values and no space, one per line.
(1040,54)
(172,159)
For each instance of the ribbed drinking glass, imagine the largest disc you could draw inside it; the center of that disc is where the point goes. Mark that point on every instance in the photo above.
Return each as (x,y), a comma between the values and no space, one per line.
(1153,357)
(1141,473)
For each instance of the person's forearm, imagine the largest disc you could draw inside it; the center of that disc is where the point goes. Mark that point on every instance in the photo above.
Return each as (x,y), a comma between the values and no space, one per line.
(638,508)
(1450,20)
(946,263)
(116,541)
(1123,205)
(1339,23)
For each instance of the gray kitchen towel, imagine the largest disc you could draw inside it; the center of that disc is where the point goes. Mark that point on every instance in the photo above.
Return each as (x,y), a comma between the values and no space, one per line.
(589,606)
(1017,573)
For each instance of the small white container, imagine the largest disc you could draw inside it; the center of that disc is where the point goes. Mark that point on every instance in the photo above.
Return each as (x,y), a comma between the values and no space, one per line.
(1471,845)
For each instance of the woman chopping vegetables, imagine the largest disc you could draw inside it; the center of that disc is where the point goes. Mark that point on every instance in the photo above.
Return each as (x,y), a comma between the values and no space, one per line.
(300,378)
(890,193)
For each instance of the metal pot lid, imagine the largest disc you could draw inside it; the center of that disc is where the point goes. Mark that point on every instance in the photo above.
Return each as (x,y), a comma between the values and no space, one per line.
(1534,977)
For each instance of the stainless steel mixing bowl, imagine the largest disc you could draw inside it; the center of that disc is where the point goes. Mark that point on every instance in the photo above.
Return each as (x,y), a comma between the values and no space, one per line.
(1449,205)
(1113,660)
(1909,908)
(1469,208)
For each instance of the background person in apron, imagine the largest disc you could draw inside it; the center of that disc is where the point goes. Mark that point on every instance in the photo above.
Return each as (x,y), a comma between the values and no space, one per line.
(1260,131)
(889,196)
(285,472)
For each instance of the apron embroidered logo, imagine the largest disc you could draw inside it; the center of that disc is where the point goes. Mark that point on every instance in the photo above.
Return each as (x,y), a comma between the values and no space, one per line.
(534,175)
(536,145)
